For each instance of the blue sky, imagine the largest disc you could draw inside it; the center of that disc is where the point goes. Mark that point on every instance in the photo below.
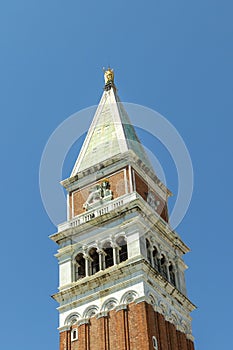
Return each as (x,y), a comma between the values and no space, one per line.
(172,56)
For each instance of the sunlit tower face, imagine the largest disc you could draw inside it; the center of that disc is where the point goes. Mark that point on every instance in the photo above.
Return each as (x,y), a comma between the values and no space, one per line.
(121,270)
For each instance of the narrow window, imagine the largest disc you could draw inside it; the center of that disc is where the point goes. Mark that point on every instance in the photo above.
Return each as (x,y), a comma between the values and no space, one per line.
(74,334)
(155,343)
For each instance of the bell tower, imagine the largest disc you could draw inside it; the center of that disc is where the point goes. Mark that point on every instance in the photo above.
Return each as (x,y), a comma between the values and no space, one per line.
(121,271)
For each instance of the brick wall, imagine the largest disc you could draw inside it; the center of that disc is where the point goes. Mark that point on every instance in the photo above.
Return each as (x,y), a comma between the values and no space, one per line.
(117,186)
(130,329)
(143,189)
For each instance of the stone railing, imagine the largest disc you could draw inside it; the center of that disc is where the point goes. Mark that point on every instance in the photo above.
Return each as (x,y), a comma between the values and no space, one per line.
(98,211)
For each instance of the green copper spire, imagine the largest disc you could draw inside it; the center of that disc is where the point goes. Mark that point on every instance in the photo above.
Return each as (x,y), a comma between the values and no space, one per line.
(111,131)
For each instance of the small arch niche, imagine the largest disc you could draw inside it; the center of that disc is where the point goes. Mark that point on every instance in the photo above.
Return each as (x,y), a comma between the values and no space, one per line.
(72,319)
(91,311)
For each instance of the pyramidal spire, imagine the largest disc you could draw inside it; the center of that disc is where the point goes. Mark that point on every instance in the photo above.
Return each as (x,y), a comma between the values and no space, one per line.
(111,132)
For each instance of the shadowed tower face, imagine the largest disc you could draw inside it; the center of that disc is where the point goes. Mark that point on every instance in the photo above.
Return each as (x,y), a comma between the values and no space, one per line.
(121,272)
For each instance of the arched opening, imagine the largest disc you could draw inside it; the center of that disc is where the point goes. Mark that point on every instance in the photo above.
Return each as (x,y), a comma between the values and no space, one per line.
(148,250)
(172,274)
(163,266)
(123,251)
(80,270)
(108,255)
(155,259)
(95,265)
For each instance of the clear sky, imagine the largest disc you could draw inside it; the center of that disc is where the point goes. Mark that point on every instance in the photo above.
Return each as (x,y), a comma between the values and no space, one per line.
(172,56)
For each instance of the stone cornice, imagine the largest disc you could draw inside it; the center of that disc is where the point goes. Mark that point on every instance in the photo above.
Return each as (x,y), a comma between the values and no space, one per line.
(108,166)
(138,205)
(67,250)
(116,278)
